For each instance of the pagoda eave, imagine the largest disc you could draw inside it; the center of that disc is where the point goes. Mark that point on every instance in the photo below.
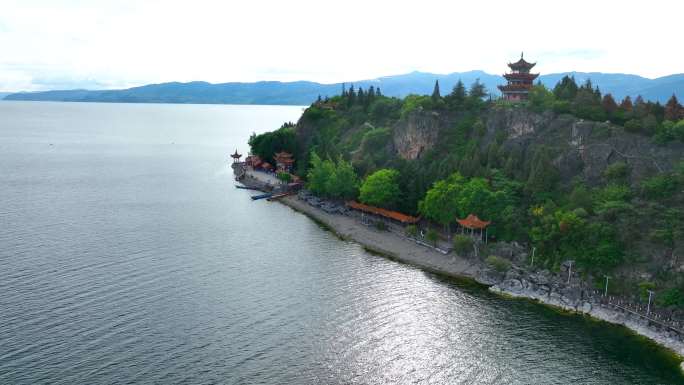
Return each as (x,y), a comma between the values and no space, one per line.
(520,76)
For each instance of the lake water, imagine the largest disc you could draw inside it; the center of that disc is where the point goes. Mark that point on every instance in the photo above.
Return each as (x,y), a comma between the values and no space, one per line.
(127,256)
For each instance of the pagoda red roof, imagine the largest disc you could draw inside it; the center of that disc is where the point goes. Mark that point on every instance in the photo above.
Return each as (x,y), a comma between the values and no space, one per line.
(473,222)
(397,216)
(515,87)
(520,76)
(266,166)
(521,64)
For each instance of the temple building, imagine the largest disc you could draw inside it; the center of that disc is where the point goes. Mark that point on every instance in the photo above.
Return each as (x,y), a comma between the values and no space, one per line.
(283,161)
(520,80)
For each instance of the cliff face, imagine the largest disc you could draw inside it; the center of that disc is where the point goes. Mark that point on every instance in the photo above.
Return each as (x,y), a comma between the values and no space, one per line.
(416,134)
(580,148)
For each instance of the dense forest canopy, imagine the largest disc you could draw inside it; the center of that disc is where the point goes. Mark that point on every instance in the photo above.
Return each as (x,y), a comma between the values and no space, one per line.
(345,146)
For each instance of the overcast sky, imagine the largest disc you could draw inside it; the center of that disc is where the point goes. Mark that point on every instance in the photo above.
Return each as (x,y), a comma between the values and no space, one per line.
(53,44)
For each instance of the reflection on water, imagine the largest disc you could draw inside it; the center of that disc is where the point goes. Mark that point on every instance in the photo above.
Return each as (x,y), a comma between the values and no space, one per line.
(128,256)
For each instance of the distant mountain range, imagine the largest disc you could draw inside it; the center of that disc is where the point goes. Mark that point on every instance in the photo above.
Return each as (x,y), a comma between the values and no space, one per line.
(304,92)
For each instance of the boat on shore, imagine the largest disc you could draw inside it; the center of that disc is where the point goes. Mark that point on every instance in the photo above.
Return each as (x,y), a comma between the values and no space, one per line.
(247,187)
(261,196)
(278,196)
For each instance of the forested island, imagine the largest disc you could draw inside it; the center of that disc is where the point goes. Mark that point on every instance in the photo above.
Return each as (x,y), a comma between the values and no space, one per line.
(571,172)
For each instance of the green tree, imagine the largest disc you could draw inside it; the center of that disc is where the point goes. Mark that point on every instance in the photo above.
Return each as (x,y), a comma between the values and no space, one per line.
(543,174)
(435,92)
(540,98)
(457,96)
(381,189)
(441,201)
(267,144)
(284,177)
(477,90)
(432,237)
(343,183)
(566,89)
(319,174)
(463,244)
(617,172)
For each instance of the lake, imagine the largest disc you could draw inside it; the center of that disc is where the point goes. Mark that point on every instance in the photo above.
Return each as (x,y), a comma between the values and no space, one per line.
(127,256)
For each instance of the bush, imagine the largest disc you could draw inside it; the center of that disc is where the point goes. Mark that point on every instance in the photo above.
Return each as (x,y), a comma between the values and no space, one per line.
(499,264)
(671,297)
(644,287)
(659,186)
(617,172)
(380,225)
(432,237)
(633,125)
(411,231)
(285,177)
(463,244)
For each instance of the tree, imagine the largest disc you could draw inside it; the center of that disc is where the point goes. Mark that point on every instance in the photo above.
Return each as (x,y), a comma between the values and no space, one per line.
(457,96)
(441,201)
(351,96)
(343,183)
(432,237)
(381,188)
(330,179)
(566,89)
(267,144)
(319,174)
(284,177)
(435,92)
(541,98)
(477,90)
(608,104)
(543,174)
(626,104)
(673,110)
(640,107)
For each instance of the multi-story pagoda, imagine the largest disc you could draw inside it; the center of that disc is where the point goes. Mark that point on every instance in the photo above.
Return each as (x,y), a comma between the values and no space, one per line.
(520,80)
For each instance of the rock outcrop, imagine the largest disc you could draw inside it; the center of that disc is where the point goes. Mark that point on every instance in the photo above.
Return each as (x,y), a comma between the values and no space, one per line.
(416,134)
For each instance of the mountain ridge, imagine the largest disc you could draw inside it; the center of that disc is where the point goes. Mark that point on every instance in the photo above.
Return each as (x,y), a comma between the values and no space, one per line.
(304,92)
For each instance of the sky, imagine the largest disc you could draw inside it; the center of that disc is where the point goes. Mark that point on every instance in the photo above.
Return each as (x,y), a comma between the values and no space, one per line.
(64,44)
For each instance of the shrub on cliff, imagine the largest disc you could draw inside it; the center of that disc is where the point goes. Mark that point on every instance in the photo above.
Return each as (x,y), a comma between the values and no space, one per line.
(463,244)
(432,237)
(499,264)
(411,231)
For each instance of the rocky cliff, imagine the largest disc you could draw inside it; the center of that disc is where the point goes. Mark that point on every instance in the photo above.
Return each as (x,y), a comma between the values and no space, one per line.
(581,148)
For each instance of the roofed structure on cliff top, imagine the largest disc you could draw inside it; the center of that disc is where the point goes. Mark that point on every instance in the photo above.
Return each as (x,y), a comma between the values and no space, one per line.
(520,80)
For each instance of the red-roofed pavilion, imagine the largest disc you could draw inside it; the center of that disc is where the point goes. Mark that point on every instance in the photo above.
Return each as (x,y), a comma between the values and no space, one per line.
(473,223)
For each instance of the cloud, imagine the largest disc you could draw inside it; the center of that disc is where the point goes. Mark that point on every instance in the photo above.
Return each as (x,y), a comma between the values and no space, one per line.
(108,44)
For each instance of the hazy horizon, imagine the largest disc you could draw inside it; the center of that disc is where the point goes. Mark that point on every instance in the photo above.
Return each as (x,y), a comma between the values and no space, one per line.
(64,44)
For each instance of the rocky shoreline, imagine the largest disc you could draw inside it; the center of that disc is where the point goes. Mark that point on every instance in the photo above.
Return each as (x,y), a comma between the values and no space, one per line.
(541,286)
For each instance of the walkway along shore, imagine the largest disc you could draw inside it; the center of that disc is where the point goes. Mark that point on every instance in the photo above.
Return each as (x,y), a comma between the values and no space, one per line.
(516,283)
(408,251)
